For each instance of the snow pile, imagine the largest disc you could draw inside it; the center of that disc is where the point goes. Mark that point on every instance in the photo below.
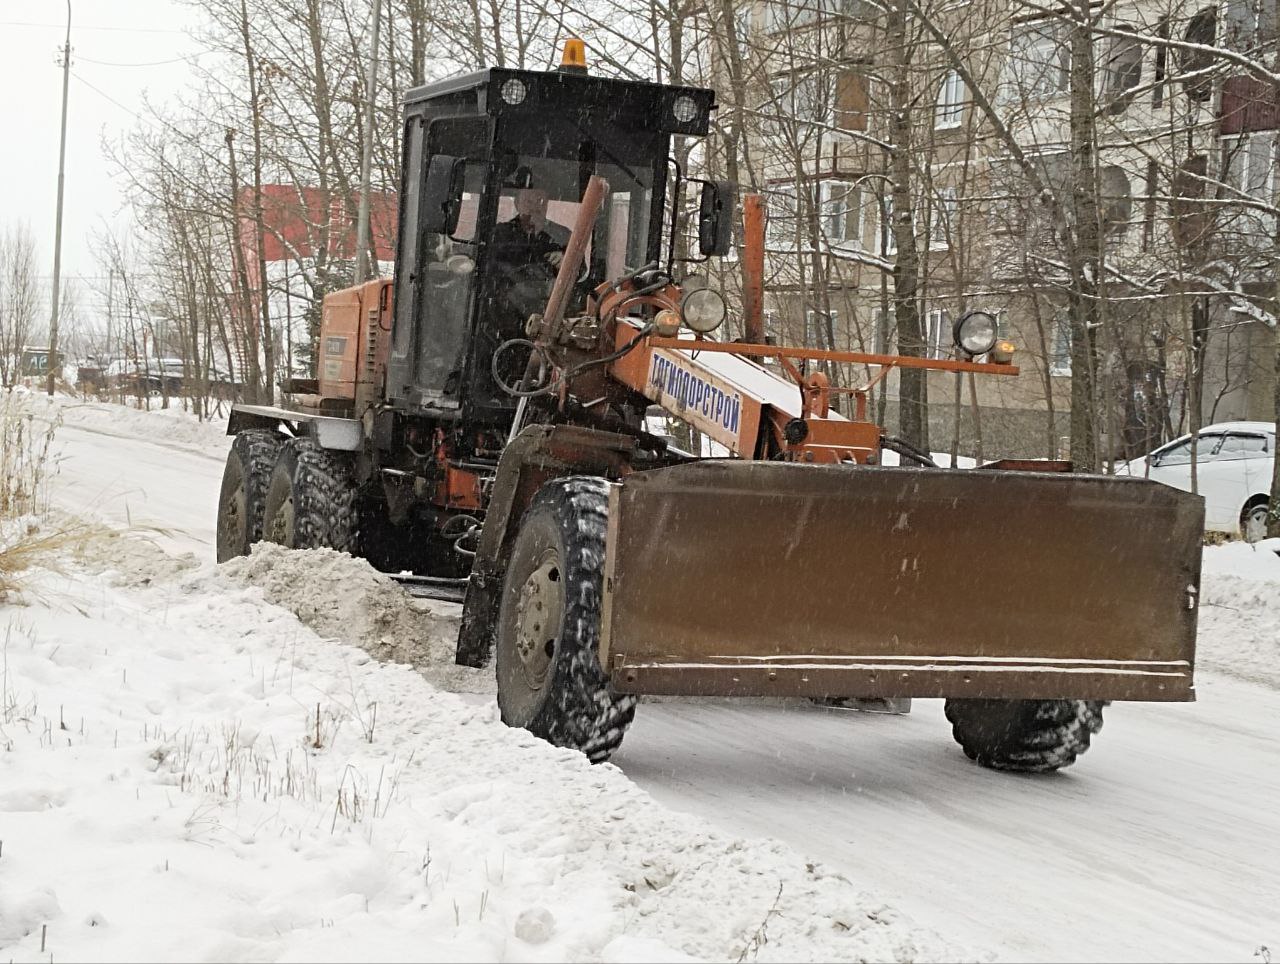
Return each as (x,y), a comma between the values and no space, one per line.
(941,459)
(192,774)
(172,425)
(1240,612)
(1257,561)
(344,598)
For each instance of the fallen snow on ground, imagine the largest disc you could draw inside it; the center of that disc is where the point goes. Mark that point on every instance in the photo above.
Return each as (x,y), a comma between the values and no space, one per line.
(173,425)
(1240,611)
(191,773)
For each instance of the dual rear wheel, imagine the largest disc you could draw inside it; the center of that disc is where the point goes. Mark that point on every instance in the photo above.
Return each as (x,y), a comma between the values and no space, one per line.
(285,490)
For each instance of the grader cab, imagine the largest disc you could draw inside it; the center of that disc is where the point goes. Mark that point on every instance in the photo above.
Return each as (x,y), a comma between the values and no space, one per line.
(477,427)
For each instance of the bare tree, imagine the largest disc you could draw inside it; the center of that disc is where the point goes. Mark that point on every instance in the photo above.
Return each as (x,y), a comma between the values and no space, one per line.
(19,298)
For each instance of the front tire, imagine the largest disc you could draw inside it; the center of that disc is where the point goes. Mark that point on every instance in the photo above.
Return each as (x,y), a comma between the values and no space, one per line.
(242,498)
(550,681)
(311,501)
(1024,736)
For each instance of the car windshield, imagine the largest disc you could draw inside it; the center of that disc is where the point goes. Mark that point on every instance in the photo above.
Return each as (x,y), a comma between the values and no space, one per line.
(1180,453)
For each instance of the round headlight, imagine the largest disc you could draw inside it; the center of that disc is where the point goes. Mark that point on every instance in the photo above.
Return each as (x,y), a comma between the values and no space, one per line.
(703,310)
(685,108)
(975,333)
(514,91)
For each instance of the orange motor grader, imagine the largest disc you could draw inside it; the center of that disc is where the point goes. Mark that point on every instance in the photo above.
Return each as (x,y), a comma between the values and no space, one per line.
(477,426)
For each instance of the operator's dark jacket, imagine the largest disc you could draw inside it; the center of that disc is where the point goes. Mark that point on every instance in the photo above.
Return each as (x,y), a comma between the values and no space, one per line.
(516,247)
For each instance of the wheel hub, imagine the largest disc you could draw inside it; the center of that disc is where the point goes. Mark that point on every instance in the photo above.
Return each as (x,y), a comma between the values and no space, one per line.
(232,512)
(282,524)
(1255,524)
(538,614)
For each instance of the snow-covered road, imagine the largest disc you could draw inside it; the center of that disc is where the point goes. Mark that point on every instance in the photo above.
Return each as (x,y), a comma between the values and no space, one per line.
(142,483)
(1162,843)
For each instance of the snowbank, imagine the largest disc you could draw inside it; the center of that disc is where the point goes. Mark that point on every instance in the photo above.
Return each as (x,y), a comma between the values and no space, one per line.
(191,774)
(1240,612)
(172,425)
(1259,561)
(344,598)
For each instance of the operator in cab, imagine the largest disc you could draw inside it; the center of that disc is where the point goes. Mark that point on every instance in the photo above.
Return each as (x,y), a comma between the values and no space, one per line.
(527,251)
(530,238)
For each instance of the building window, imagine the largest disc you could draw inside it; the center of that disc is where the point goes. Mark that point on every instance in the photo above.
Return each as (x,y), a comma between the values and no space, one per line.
(1116,200)
(804,97)
(1039,63)
(815,328)
(1196,60)
(889,244)
(772,327)
(1248,165)
(841,208)
(782,15)
(1060,351)
(883,330)
(1192,220)
(783,219)
(950,109)
(943,220)
(1162,63)
(937,333)
(1122,71)
(742,27)
(1248,24)
(1002,324)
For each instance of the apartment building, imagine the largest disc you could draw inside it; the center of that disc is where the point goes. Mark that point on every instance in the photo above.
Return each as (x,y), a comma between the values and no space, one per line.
(1184,198)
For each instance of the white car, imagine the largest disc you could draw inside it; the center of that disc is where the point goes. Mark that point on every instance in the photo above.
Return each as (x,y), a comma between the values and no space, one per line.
(1234,462)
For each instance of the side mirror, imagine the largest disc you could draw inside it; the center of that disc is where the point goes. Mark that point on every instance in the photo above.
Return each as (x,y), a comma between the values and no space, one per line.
(442,194)
(715,217)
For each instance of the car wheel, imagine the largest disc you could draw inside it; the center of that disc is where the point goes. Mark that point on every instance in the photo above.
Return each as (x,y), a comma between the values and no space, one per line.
(1253,521)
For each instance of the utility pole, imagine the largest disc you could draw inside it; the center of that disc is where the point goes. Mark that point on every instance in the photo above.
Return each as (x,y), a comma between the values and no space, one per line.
(57,231)
(366,157)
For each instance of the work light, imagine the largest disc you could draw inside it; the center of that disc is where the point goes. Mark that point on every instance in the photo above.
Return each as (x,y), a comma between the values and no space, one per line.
(684,108)
(514,91)
(703,310)
(975,333)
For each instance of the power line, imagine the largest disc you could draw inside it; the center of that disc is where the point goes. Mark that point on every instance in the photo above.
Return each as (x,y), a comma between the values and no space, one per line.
(28,23)
(150,63)
(104,94)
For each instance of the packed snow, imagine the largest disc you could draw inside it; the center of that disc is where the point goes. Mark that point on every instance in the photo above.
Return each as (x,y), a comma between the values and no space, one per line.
(191,773)
(239,762)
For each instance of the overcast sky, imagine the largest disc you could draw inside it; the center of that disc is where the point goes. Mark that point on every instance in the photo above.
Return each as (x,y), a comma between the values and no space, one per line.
(149,38)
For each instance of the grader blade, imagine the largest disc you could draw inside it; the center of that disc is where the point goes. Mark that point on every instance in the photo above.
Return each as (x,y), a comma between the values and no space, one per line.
(777,579)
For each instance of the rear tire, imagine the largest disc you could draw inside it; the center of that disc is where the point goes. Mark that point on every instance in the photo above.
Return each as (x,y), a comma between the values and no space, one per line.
(1024,736)
(1253,520)
(311,501)
(242,498)
(550,681)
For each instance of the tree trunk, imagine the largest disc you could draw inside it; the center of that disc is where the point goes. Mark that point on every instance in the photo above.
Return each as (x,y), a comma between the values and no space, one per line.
(252,364)
(913,384)
(259,223)
(1083,247)
(1273,516)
